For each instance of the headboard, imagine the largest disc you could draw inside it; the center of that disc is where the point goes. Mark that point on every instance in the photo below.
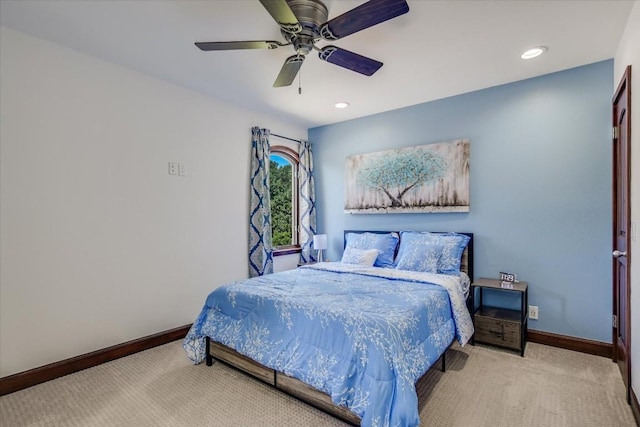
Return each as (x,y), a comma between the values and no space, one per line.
(466,263)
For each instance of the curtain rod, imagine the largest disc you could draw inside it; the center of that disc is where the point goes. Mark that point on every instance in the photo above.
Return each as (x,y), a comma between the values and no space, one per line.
(285,137)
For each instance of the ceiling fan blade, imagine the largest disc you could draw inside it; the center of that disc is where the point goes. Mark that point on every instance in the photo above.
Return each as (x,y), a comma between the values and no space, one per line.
(249,44)
(283,15)
(350,60)
(289,71)
(364,16)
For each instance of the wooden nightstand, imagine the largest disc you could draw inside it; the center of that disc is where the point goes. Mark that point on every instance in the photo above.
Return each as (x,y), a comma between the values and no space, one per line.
(500,326)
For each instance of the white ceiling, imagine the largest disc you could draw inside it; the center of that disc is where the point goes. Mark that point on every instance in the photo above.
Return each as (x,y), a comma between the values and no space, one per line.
(438,49)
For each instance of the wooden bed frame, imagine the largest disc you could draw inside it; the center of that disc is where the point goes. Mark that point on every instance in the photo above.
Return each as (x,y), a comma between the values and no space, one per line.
(297,388)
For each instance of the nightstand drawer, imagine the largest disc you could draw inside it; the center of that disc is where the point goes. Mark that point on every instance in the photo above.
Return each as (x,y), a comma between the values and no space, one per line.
(502,332)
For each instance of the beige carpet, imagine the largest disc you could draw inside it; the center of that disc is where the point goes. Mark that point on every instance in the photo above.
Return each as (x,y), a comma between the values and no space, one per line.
(483,386)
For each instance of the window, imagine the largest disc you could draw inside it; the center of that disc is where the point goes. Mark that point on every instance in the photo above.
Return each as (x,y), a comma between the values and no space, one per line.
(283,182)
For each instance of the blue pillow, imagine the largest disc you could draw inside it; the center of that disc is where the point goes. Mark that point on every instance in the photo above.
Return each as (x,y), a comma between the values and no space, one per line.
(453,245)
(419,257)
(385,243)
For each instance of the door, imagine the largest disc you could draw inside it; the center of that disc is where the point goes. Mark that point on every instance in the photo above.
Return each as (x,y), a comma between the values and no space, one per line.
(621,228)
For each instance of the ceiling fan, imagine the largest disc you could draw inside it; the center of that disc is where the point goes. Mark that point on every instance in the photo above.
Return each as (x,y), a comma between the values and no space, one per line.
(304,22)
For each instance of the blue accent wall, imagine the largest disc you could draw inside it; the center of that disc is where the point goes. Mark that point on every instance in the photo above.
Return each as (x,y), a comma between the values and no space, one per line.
(540,179)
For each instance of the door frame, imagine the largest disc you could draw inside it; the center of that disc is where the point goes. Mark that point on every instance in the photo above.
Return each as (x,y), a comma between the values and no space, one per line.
(625,84)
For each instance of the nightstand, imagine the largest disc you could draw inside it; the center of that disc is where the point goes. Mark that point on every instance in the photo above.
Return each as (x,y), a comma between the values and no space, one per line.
(500,326)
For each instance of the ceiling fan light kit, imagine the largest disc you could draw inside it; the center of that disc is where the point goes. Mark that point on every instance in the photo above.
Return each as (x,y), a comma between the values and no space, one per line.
(304,22)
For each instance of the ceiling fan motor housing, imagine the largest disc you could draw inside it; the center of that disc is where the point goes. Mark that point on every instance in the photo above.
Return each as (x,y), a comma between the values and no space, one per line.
(311,14)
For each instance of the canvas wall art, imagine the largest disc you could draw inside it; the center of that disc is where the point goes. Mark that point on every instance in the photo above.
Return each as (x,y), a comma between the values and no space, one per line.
(425,178)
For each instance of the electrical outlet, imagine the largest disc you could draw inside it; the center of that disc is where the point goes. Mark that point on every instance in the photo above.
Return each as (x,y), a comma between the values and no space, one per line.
(182,169)
(173,168)
(533,312)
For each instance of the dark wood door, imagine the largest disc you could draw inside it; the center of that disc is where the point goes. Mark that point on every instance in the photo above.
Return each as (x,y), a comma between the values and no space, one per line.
(621,228)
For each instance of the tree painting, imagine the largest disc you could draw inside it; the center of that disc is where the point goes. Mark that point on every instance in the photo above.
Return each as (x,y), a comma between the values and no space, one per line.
(427,178)
(397,173)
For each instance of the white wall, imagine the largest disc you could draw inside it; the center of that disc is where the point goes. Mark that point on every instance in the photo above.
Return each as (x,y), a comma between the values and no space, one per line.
(285,262)
(629,54)
(99,244)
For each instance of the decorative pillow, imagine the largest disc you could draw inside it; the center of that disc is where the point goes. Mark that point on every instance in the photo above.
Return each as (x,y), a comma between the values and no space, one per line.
(453,245)
(385,243)
(359,256)
(420,257)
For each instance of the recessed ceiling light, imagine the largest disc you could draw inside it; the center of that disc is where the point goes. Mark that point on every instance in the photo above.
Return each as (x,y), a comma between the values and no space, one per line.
(533,52)
(341,104)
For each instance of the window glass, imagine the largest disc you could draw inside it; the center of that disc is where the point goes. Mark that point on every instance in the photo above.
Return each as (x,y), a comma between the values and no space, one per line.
(283,191)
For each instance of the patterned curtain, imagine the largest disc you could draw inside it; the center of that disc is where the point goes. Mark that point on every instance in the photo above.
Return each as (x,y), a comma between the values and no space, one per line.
(260,246)
(307,203)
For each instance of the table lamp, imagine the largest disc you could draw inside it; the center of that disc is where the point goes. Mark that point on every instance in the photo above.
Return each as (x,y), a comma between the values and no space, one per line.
(320,244)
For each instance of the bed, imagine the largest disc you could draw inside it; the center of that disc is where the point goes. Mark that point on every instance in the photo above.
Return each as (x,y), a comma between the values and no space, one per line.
(351,337)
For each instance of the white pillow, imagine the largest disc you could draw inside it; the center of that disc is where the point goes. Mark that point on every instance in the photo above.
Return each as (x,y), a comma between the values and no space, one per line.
(360,256)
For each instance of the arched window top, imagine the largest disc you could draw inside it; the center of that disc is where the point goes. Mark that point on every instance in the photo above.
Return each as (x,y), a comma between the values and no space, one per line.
(285,152)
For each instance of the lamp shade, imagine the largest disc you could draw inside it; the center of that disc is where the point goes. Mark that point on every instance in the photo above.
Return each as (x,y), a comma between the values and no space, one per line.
(320,242)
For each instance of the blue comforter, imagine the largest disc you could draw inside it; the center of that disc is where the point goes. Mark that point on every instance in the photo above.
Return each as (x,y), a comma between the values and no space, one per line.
(363,335)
